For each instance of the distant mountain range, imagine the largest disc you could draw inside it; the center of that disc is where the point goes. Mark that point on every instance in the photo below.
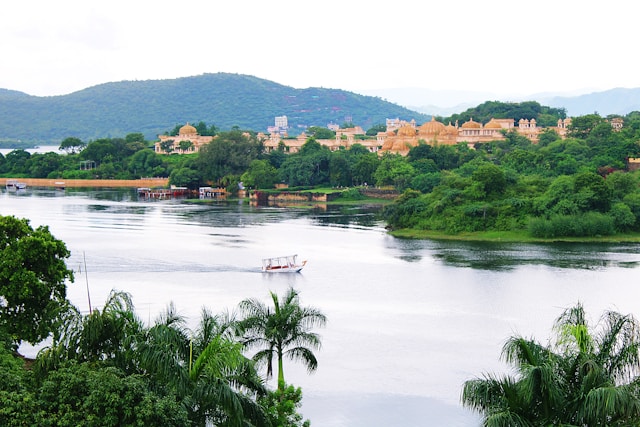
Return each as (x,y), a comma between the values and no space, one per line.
(445,103)
(225,100)
(153,107)
(620,101)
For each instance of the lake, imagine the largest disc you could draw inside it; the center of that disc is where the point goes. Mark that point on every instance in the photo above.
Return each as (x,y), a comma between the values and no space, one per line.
(40,149)
(408,320)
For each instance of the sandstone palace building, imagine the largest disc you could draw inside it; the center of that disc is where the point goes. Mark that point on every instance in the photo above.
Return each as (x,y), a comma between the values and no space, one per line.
(399,137)
(187,141)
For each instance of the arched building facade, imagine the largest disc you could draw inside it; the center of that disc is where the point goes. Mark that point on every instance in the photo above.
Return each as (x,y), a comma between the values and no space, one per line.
(406,135)
(187,141)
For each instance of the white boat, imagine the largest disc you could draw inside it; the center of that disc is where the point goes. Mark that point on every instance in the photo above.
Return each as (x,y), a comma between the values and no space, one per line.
(14,184)
(282,264)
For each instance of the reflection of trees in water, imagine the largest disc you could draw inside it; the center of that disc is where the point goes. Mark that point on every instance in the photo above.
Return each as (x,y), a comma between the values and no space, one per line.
(348,215)
(105,194)
(230,213)
(477,255)
(507,256)
(227,214)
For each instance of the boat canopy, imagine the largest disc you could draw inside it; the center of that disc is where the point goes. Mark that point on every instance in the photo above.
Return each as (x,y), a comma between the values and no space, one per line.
(280,261)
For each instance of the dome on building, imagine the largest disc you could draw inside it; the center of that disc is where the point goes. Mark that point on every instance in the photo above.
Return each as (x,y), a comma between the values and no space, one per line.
(433,127)
(400,146)
(471,125)
(492,125)
(187,130)
(451,129)
(406,130)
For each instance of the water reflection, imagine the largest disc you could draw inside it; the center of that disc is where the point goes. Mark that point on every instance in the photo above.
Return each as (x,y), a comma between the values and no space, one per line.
(507,256)
(128,208)
(348,215)
(104,194)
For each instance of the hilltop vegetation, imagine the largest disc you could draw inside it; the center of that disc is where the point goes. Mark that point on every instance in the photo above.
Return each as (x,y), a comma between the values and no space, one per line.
(113,110)
(544,116)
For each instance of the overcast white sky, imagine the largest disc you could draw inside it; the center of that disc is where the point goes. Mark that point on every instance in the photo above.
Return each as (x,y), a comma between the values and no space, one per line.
(500,46)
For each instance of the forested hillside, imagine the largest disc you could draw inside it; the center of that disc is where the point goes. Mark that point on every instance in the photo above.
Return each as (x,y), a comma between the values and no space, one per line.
(153,106)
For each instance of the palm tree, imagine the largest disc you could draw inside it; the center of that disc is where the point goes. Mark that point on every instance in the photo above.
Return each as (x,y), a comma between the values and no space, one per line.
(586,377)
(284,330)
(107,336)
(205,368)
(601,369)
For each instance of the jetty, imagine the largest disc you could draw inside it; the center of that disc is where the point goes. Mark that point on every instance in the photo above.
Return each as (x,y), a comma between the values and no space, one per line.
(162,193)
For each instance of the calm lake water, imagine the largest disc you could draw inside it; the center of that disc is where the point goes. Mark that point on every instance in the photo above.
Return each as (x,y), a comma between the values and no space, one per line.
(39,149)
(408,321)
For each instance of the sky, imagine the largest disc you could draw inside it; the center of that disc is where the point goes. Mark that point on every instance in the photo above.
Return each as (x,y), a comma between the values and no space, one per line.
(495,46)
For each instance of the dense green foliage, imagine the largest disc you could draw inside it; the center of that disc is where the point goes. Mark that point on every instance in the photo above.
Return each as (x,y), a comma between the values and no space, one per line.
(33,278)
(282,406)
(107,368)
(588,377)
(111,110)
(573,187)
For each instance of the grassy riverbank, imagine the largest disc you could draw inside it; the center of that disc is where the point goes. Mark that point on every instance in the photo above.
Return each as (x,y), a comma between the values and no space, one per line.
(515,236)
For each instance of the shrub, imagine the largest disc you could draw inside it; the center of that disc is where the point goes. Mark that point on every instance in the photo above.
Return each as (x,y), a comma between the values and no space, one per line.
(590,224)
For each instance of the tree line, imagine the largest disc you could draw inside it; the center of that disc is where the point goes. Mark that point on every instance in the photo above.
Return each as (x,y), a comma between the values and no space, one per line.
(233,156)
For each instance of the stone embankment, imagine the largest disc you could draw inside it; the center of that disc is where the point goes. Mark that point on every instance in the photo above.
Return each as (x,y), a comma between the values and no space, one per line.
(263,197)
(133,183)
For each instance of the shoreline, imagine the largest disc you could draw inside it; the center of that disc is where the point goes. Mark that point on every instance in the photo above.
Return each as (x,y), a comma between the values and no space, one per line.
(76,183)
(512,236)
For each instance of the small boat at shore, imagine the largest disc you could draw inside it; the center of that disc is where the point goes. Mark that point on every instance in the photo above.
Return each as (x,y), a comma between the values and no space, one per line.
(14,185)
(282,264)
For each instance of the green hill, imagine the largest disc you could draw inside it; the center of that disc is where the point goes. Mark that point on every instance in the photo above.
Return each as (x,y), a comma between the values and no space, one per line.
(155,106)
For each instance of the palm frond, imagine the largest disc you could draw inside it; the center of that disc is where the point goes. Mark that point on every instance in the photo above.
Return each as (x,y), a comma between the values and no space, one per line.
(305,355)
(610,405)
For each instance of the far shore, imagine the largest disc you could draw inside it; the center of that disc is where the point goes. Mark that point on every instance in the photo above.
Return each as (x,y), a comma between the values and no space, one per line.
(511,236)
(133,183)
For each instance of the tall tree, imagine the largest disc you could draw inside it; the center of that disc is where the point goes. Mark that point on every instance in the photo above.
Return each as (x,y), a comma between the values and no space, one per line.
(310,166)
(230,153)
(33,277)
(72,145)
(281,331)
(261,174)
